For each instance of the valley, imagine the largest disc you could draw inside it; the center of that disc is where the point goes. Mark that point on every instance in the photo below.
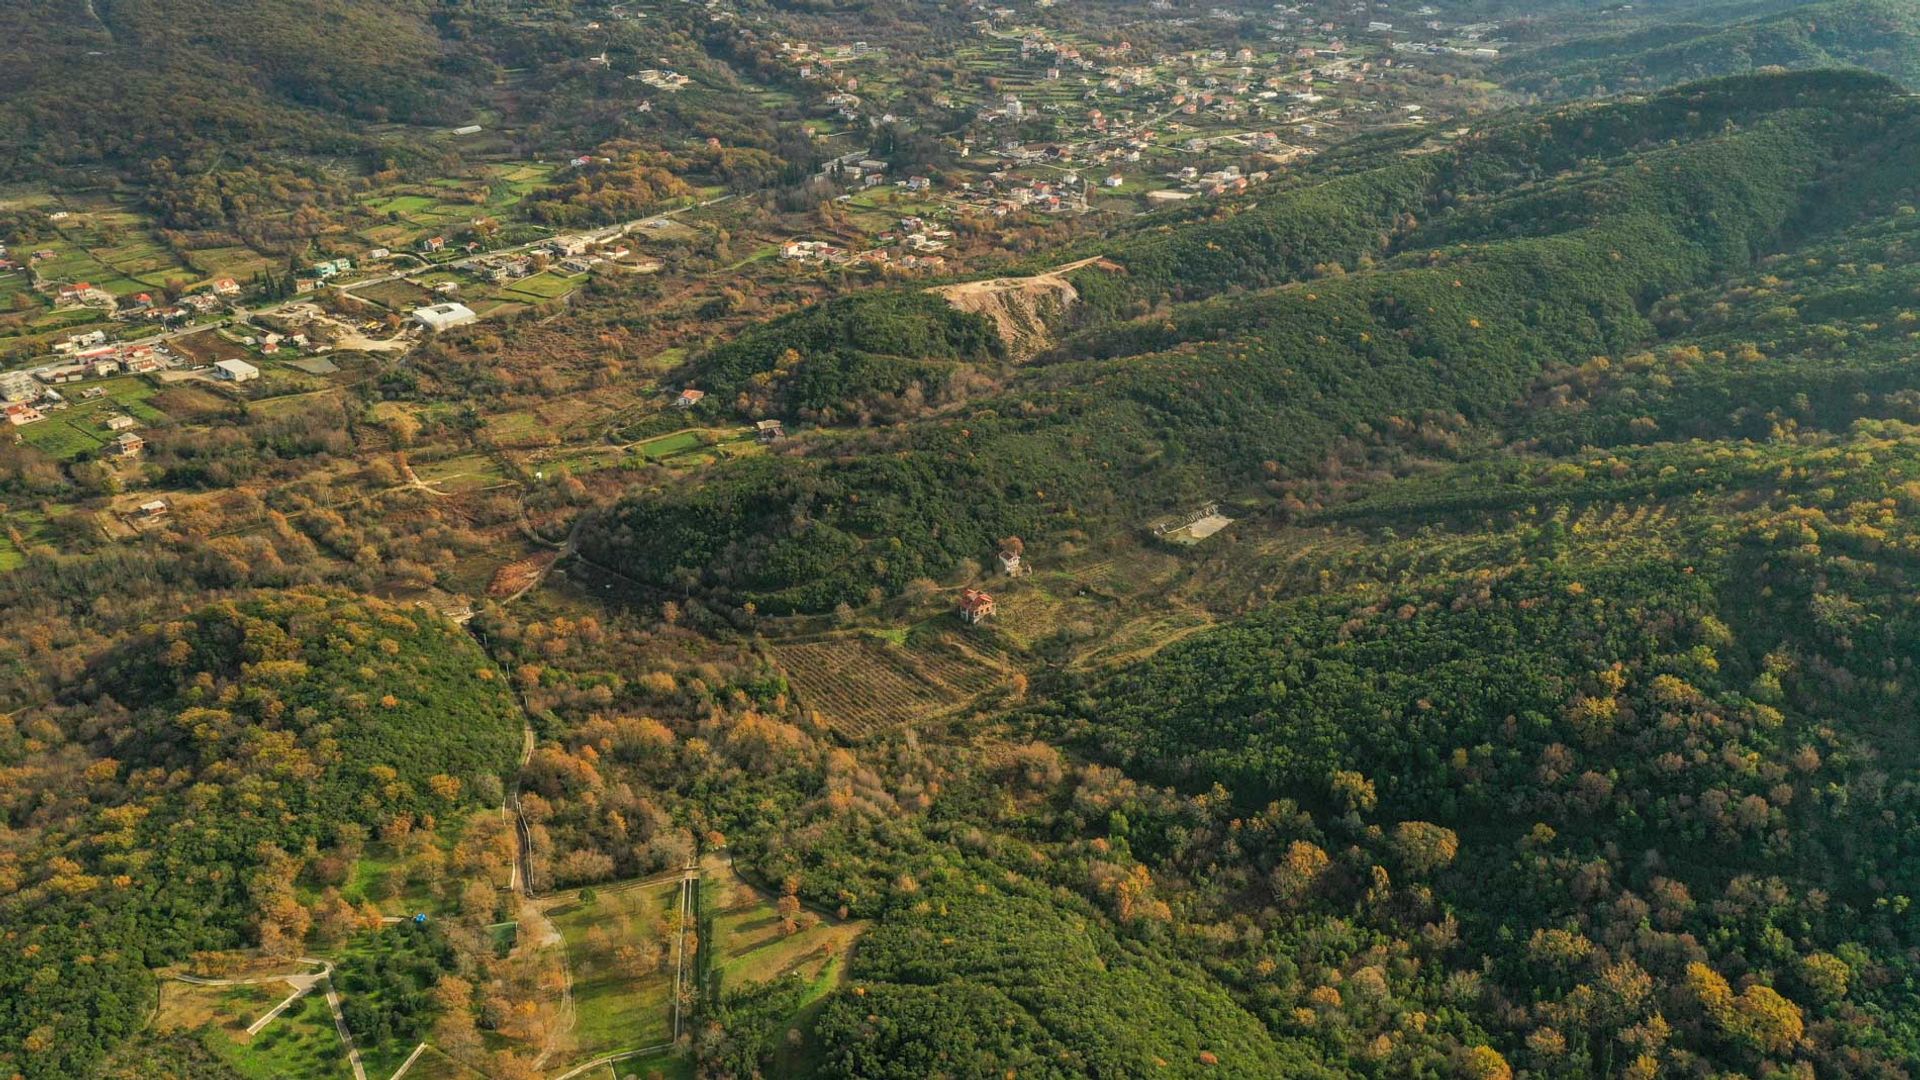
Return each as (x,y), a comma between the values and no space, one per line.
(575,540)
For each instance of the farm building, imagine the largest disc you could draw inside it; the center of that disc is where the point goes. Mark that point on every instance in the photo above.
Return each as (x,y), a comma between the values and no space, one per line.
(235,371)
(444,316)
(121,423)
(770,431)
(688,398)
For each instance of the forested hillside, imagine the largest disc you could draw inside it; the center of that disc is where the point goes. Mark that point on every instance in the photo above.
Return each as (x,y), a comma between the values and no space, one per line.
(1537,238)
(169,797)
(880,609)
(1879,35)
(84,82)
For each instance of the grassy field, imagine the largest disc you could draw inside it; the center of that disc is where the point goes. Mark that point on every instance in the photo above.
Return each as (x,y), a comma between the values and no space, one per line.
(466,472)
(226,1010)
(666,1065)
(300,1045)
(748,943)
(616,1009)
(545,286)
(434,1065)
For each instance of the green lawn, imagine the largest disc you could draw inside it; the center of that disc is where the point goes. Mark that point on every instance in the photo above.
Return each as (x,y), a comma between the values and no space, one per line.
(300,1045)
(668,445)
(63,435)
(546,285)
(618,1011)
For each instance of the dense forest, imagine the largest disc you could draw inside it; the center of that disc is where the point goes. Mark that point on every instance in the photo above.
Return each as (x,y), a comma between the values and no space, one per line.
(167,802)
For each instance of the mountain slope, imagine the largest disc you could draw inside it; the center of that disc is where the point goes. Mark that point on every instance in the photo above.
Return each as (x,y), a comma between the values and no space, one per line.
(1446,313)
(1880,35)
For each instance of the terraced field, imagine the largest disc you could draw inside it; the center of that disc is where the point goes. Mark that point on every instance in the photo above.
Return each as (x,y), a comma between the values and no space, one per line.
(860,686)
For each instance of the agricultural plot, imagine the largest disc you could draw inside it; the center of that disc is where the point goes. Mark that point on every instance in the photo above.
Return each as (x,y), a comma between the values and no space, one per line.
(238,263)
(544,286)
(399,295)
(621,945)
(114,251)
(859,686)
(64,436)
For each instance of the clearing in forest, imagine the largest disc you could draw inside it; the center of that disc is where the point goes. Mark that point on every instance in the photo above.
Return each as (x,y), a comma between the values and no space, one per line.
(621,946)
(1021,309)
(752,939)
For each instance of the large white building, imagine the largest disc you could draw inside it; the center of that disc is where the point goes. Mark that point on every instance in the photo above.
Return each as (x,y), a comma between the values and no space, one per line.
(235,371)
(444,316)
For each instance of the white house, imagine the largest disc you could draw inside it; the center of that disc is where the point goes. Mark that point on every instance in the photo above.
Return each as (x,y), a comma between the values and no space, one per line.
(235,371)
(444,316)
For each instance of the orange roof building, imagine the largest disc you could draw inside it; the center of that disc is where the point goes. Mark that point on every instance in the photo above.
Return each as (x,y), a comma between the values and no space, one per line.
(976,605)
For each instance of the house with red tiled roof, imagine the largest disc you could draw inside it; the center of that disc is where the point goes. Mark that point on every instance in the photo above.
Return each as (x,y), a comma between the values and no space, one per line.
(976,605)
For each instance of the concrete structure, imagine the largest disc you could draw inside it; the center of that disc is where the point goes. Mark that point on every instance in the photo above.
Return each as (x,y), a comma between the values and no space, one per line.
(235,371)
(444,316)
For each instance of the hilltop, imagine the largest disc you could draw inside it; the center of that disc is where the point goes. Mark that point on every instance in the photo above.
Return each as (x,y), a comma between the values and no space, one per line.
(1878,35)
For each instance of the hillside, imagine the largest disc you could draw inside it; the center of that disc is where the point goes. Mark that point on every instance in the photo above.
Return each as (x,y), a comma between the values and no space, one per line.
(1429,302)
(1879,35)
(193,766)
(84,82)
(942,541)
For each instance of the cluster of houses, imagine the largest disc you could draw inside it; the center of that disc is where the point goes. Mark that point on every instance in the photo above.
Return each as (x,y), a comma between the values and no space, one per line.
(661,79)
(917,258)
(25,400)
(29,393)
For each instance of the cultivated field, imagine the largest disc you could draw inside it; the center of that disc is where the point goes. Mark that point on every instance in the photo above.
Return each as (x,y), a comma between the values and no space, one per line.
(859,685)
